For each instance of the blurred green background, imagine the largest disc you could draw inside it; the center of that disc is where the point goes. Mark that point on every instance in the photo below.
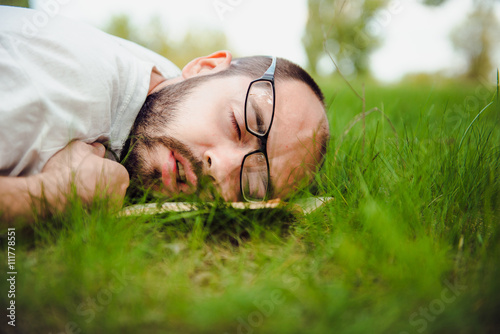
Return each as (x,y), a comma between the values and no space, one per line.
(347,32)
(410,243)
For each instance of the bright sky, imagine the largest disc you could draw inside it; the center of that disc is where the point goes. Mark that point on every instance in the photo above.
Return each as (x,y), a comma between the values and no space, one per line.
(415,37)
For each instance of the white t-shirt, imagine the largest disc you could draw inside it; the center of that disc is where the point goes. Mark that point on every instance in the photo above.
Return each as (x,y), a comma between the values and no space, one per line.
(62,80)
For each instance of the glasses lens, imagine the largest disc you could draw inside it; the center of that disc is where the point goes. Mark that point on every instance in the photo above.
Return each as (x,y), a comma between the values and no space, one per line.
(259,107)
(254,177)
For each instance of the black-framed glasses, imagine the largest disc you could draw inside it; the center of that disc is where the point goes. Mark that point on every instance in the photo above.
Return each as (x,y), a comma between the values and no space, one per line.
(255,179)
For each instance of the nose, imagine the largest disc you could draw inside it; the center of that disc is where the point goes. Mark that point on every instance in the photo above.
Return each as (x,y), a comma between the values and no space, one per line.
(223,165)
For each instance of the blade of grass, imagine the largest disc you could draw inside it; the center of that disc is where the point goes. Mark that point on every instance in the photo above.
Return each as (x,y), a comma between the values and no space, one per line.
(470,125)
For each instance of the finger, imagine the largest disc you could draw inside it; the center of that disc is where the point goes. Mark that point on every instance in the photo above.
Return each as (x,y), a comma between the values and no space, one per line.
(102,178)
(98,149)
(118,174)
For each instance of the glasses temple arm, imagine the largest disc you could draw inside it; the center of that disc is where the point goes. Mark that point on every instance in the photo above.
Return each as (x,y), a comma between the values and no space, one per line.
(269,75)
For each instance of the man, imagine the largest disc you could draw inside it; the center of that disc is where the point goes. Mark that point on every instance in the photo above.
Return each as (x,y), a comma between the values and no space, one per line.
(76,102)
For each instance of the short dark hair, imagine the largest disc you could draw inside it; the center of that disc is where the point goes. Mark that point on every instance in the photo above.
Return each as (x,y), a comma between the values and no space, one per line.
(255,66)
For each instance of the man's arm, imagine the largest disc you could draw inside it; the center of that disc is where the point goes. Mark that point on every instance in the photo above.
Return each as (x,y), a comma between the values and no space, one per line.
(80,165)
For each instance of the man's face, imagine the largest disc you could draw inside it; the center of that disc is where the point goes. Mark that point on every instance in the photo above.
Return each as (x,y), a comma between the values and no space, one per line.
(206,135)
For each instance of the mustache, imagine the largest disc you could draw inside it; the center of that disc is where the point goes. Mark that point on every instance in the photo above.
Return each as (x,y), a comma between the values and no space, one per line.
(179,147)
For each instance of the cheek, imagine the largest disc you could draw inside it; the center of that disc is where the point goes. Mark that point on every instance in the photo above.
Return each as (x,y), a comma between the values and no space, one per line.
(284,168)
(197,128)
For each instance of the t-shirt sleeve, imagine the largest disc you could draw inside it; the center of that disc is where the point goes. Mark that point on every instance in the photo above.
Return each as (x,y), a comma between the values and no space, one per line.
(60,82)
(165,66)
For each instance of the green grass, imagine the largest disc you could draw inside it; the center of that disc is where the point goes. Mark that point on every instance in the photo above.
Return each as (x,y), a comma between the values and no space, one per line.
(409,245)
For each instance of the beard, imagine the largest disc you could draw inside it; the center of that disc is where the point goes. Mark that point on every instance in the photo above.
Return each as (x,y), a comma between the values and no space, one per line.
(157,114)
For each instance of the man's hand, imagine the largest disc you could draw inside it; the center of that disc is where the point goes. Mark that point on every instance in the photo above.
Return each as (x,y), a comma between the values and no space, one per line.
(85,167)
(78,165)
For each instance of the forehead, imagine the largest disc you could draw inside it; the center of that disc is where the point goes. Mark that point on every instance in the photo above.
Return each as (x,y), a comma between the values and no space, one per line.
(292,146)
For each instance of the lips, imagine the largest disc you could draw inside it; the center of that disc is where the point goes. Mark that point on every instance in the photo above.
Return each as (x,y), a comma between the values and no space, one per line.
(178,175)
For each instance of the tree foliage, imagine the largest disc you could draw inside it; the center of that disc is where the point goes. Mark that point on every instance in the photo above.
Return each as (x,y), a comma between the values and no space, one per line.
(433,2)
(345,29)
(477,38)
(17,3)
(348,31)
(153,35)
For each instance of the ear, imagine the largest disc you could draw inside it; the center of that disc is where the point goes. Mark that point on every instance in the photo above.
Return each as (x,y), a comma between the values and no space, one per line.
(216,62)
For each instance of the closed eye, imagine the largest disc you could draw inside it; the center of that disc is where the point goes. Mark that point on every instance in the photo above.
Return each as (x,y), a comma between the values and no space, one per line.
(235,124)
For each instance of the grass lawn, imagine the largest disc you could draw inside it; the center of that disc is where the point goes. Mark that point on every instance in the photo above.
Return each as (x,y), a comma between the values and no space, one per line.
(409,245)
